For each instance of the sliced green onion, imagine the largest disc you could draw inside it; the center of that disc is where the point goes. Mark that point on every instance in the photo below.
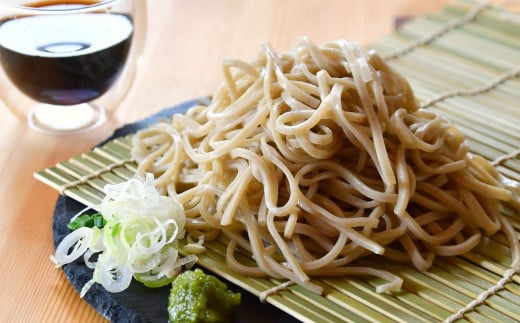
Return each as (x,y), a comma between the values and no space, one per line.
(86,220)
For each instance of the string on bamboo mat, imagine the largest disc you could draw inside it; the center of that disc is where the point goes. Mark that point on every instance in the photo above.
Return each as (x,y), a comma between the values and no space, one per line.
(481,298)
(505,157)
(86,178)
(476,90)
(470,16)
(263,295)
(506,277)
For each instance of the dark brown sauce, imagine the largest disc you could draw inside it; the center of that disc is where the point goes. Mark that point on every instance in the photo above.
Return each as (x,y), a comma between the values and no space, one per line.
(58,72)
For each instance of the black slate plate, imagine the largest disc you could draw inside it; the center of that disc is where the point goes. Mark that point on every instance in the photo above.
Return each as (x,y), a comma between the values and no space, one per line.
(139,303)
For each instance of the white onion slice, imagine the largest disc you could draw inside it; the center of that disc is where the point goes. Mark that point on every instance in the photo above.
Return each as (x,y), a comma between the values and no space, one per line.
(169,267)
(86,257)
(115,277)
(141,263)
(78,240)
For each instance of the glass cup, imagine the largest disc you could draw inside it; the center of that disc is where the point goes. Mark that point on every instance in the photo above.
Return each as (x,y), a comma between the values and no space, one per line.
(67,64)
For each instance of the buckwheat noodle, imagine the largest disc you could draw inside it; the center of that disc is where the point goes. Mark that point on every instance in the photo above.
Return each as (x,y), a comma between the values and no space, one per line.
(314,158)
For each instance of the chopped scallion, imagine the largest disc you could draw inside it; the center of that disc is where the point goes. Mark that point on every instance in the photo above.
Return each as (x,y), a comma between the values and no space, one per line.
(87,220)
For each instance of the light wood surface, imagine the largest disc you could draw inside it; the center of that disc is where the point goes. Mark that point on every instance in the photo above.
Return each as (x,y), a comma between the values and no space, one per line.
(186,43)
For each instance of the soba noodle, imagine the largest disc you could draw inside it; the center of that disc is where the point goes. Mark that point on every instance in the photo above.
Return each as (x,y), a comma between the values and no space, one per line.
(312,159)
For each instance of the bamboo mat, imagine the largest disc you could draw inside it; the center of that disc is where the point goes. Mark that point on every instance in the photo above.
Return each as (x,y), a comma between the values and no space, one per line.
(462,62)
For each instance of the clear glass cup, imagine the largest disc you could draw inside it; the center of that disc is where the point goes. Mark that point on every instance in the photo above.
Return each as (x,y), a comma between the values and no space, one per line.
(66,65)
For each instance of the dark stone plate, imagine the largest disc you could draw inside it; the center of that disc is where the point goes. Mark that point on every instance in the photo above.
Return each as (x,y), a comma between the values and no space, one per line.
(139,303)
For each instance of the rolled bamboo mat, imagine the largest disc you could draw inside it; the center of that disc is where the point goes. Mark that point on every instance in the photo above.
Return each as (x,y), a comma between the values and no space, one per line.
(462,62)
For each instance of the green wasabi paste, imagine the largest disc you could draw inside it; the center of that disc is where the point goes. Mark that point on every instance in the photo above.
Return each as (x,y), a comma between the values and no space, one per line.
(197,297)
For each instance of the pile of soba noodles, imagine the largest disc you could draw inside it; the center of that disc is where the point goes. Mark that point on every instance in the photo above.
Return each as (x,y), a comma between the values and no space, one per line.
(312,159)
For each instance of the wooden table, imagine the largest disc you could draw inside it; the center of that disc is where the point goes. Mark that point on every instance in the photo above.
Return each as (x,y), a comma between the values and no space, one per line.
(186,43)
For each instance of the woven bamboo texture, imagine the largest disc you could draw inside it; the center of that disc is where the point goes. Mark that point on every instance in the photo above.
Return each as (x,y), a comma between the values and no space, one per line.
(462,62)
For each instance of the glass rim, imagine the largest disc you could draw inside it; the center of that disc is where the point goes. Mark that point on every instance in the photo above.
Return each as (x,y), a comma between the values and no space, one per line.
(25,9)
